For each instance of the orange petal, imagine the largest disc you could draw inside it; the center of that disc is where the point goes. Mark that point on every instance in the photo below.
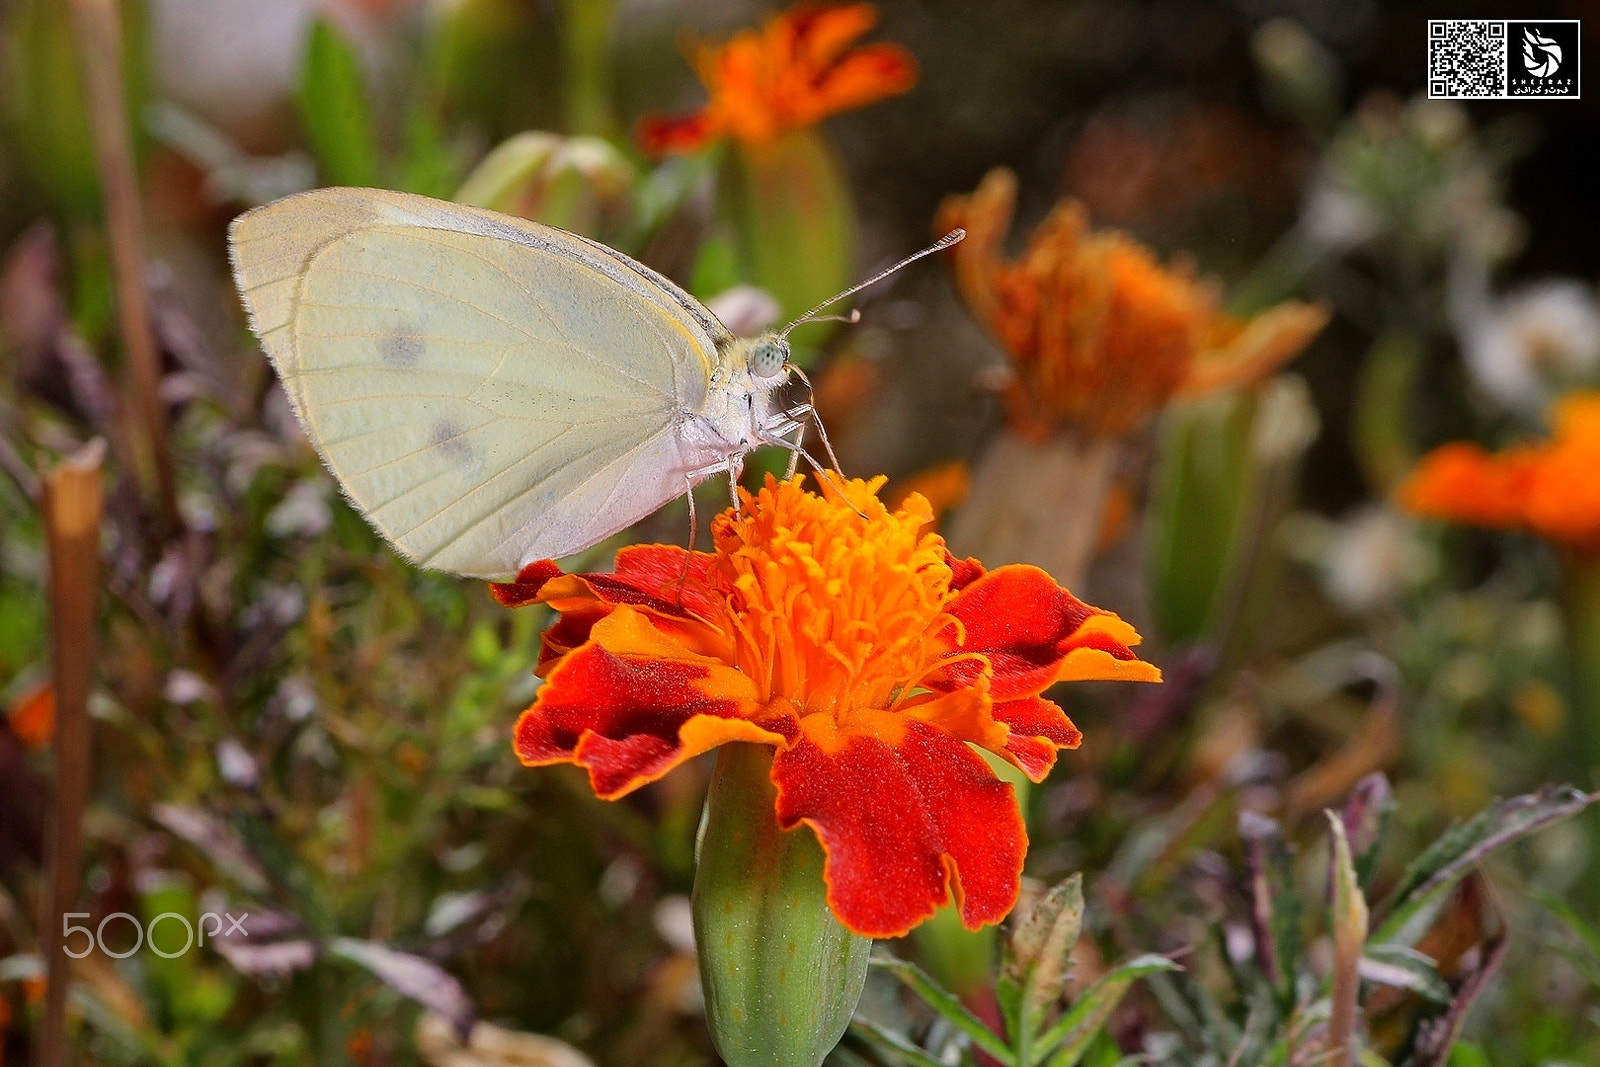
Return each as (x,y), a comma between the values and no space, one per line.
(1258,349)
(1463,483)
(904,827)
(965,714)
(33,717)
(1036,730)
(632,704)
(864,77)
(1034,633)
(816,34)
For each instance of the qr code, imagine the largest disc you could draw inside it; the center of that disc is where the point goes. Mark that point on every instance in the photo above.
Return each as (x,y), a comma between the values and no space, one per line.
(1466,58)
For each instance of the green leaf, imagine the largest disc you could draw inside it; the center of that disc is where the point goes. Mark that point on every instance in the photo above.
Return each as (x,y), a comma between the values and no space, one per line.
(886,1041)
(332,100)
(1588,960)
(1383,410)
(586,58)
(1404,968)
(1065,1042)
(581,184)
(1350,924)
(1223,483)
(917,980)
(960,960)
(1432,874)
(1200,493)
(1034,971)
(1466,1054)
(429,165)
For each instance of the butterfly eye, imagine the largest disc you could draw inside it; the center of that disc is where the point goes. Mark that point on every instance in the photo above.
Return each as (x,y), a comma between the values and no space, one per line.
(767,358)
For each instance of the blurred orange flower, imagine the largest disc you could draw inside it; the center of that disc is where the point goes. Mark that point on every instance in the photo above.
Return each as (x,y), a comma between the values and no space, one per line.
(795,71)
(33,717)
(1551,488)
(861,650)
(1100,333)
(944,487)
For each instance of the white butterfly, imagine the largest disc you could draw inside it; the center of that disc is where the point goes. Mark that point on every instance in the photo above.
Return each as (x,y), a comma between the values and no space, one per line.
(490,391)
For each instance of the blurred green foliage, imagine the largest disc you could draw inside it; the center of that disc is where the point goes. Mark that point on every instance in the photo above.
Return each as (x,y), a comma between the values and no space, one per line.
(291,721)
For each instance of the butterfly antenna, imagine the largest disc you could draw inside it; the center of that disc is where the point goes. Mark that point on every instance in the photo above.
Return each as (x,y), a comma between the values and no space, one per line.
(938,246)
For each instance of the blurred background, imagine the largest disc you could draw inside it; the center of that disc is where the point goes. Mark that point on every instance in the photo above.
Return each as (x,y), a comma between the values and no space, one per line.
(289,720)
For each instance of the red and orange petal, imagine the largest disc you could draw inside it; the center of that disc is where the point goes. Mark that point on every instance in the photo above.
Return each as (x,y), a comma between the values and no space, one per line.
(903,826)
(631,704)
(1564,496)
(1032,633)
(796,70)
(1548,487)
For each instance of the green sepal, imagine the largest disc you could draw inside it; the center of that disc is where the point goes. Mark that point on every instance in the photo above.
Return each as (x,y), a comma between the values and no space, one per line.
(781,975)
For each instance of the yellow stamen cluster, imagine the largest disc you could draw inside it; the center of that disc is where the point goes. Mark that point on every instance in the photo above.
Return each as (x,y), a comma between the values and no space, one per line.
(832,611)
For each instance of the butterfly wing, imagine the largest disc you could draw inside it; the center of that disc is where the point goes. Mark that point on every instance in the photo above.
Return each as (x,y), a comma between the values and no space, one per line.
(488,391)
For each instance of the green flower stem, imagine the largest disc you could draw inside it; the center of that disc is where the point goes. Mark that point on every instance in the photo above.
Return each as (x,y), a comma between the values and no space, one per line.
(789,201)
(781,975)
(586,59)
(1582,604)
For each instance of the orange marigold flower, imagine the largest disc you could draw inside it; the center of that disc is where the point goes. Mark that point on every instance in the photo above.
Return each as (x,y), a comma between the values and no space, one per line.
(1100,333)
(33,717)
(795,71)
(861,650)
(1549,488)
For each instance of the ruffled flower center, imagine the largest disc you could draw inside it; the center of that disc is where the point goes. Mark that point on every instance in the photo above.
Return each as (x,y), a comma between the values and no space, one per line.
(830,611)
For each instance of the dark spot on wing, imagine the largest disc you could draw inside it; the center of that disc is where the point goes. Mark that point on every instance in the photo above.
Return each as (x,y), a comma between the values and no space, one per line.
(400,347)
(450,439)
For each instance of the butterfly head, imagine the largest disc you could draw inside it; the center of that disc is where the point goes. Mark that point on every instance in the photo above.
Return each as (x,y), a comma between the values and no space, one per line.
(769,356)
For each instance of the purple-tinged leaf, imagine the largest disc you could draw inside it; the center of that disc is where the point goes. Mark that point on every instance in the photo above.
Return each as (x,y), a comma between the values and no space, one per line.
(1034,972)
(270,957)
(1366,815)
(1274,904)
(217,840)
(1447,860)
(411,976)
(1404,968)
(1349,926)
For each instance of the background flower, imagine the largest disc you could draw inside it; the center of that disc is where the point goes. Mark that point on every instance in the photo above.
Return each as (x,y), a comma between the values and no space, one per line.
(795,71)
(1549,488)
(1100,334)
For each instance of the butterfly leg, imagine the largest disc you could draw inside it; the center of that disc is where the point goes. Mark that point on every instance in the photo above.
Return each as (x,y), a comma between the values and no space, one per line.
(694,525)
(735,468)
(808,408)
(784,423)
